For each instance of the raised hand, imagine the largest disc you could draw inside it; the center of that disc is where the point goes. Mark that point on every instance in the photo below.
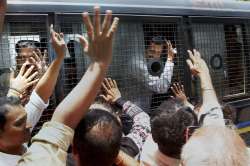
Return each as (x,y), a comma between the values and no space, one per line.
(170,51)
(112,92)
(100,38)
(179,92)
(58,42)
(39,61)
(23,80)
(196,64)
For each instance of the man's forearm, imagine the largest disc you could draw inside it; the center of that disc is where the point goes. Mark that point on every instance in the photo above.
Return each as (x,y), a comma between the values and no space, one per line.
(208,93)
(71,110)
(46,84)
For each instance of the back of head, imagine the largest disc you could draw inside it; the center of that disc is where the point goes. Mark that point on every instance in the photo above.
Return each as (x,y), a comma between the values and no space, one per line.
(217,146)
(97,138)
(168,127)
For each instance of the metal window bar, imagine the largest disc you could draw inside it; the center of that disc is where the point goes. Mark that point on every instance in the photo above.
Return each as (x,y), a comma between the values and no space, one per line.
(130,44)
(225,49)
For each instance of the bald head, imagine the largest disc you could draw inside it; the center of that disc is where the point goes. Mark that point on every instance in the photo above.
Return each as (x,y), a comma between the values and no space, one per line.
(215,145)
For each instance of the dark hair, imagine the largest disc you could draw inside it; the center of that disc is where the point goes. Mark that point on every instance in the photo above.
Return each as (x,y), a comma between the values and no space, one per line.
(97,138)
(168,128)
(26,44)
(4,103)
(158,40)
(229,112)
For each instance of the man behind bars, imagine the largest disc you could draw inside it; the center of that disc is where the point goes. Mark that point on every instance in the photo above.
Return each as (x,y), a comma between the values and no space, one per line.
(154,71)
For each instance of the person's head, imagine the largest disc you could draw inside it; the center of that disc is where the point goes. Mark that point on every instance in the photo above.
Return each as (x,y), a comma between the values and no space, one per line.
(229,112)
(97,139)
(24,50)
(168,125)
(215,145)
(14,130)
(156,47)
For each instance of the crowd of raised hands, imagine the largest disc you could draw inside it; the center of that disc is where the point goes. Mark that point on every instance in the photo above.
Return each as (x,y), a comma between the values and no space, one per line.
(96,134)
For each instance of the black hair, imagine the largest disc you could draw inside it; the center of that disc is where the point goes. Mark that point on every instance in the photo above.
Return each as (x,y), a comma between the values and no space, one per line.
(97,138)
(168,126)
(229,112)
(4,109)
(27,44)
(158,40)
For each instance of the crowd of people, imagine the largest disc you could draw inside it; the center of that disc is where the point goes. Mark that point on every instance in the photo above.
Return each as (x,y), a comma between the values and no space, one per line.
(86,128)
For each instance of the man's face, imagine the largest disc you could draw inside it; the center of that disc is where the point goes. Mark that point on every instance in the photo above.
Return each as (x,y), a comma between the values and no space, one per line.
(24,55)
(155,50)
(16,130)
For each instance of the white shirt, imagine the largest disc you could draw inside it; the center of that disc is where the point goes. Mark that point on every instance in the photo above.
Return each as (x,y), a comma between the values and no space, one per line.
(34,109)
(142,85)
(151,156)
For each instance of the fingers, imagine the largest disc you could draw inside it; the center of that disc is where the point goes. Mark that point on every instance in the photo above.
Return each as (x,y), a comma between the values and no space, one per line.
(111,83)
(170,47)
(176,87)
(173,90)
(115,84)
(23,68)
(107,22)
(53,33)
(197,53)
(45,56)
(88,25)
(105,87)
(97,21)
(36,57)
(182,88)
(32,82)
(32,60)
(52,29)
(27,73)
(191,55)
(30,78)
(84,42)
(190,64)
(38,52)
(104,97)
(113,28)
(107,83)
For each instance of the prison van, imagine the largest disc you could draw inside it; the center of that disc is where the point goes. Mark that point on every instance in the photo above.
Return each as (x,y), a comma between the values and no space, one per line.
(219,29)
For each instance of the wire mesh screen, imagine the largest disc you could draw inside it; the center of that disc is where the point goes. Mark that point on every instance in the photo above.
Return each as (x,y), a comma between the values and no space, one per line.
(23,35)
(140,60)
(225,49)
(130,64)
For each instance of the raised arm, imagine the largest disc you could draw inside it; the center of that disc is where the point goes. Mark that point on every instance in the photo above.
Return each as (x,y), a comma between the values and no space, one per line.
(46,84)
(180,95)
(99,47)
(210,103)
(24,79)
(141,121)
(3,8)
